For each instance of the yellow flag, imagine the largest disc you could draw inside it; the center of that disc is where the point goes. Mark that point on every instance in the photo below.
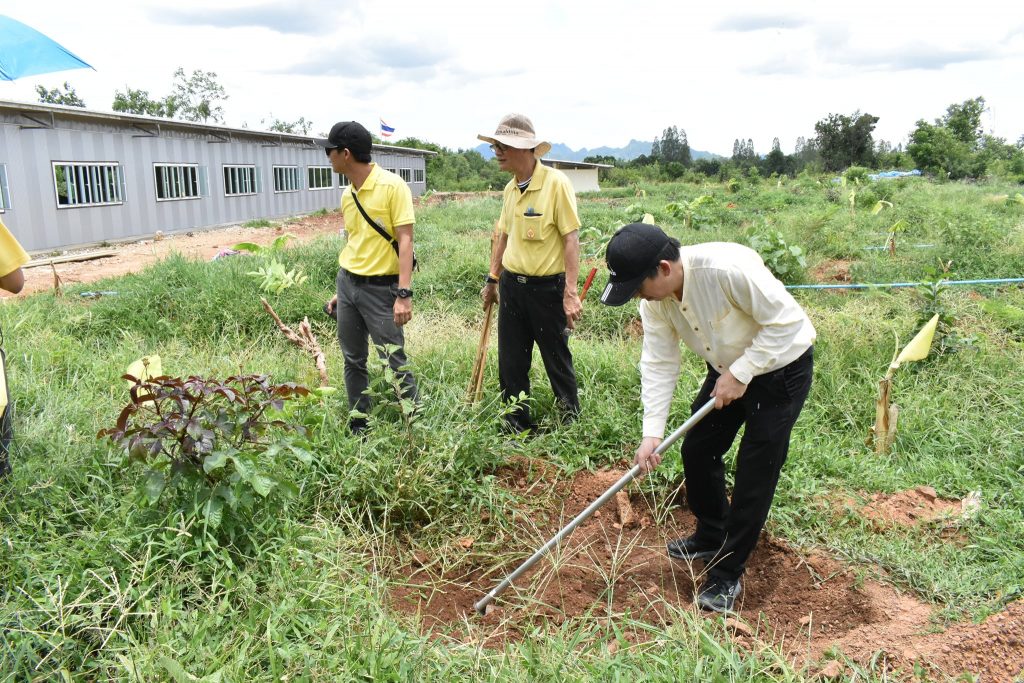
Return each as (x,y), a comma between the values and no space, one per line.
(146,368)
(919,346)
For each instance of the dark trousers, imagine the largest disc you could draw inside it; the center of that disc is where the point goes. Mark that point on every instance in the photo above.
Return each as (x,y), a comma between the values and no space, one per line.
(368,310)
(531,311)
(769,408)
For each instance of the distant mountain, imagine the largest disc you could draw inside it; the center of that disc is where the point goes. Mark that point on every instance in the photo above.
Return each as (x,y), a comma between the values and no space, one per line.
(631,151)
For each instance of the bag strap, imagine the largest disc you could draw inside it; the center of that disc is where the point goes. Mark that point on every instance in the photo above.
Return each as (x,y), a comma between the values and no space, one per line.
(373,224)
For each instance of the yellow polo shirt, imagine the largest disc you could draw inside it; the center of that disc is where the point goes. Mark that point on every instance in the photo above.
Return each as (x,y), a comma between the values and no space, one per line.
(12,256)
(536,221)
(387,199)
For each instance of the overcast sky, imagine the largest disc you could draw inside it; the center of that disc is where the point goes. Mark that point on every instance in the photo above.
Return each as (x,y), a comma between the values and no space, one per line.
(589,73)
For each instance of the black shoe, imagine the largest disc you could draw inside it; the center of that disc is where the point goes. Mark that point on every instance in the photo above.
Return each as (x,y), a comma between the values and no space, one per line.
(690,549)
(719,594)
(358,426)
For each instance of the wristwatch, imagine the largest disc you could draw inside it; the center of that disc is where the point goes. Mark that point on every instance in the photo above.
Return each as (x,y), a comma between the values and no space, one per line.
(490,280)
(404,293)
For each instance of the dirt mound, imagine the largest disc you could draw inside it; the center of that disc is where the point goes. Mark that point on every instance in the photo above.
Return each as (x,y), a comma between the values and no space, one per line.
(909,508)
(832,270)
(607,570)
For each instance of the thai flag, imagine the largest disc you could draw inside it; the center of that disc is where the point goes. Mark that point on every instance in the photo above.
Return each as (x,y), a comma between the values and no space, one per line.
(386,131)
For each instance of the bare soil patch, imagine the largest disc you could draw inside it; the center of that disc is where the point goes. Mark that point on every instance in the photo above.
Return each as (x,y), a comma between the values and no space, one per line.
(132,257)
(805,603)
(832,270)
(908,508)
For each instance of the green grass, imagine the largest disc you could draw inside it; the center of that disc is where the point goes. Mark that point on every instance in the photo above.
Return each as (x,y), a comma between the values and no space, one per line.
(100,588)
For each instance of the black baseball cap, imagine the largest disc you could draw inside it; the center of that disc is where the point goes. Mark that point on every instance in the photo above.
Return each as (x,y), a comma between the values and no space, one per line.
(349,135)
(633,250)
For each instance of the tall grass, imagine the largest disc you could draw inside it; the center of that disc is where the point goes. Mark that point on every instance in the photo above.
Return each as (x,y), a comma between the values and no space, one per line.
(96,587)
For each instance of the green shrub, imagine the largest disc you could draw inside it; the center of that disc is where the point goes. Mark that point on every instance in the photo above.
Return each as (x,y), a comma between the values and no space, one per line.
(211,441)
(785,261)
(856,174)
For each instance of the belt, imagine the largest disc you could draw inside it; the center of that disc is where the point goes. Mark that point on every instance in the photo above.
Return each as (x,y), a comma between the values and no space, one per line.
(533,279)
(371,279)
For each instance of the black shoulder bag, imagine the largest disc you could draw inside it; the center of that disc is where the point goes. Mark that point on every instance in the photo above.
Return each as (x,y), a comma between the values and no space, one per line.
(380,231)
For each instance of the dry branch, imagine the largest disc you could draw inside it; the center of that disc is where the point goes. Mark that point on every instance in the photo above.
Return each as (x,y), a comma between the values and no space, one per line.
(304,340)
(57,291)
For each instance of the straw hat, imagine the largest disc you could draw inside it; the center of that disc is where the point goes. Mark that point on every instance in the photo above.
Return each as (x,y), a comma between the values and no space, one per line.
(516,130)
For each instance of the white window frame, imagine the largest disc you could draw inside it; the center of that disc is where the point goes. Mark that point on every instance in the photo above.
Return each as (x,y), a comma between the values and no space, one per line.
(5,189)
(317,175)
(95,183)
(180,181)
(418,175)
(343,180)
(240,180)
(392,170)
(405,174)
(286,179)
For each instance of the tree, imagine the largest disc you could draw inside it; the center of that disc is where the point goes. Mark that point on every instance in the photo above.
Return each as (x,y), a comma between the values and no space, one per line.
(299,127)
(196,96)
(776,161)
(673,147)
(743,154)
(934,148)
(844,141)
(56,96)
(138,102)
(964,120)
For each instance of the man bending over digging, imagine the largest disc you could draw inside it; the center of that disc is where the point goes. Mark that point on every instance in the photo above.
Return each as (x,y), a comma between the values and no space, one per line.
(727,307)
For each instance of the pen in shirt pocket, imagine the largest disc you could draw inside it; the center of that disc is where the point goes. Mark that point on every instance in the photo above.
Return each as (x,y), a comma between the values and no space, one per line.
(530,213)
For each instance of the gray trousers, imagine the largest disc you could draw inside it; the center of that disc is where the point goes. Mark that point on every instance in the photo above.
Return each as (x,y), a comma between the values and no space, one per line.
(363,310)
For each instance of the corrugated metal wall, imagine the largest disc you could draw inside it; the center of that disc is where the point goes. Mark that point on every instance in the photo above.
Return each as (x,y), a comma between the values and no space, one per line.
(35,219)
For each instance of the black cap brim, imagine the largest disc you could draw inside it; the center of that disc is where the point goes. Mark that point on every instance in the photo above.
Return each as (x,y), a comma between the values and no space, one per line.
(323,142)
(618,293)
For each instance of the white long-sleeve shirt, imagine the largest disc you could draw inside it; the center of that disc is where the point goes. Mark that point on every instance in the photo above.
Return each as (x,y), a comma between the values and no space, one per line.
(734,314)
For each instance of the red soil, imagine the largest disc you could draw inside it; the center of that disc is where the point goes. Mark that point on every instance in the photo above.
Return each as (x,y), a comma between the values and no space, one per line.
(803,603)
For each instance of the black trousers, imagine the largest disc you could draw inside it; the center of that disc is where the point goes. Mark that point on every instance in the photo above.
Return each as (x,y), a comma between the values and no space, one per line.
(531,311)
(769,408)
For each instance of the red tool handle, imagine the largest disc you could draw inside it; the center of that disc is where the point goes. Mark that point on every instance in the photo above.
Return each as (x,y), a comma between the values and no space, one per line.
(589,281)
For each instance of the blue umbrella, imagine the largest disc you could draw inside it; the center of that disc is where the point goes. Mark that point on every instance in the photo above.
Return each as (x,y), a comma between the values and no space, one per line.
(25,51)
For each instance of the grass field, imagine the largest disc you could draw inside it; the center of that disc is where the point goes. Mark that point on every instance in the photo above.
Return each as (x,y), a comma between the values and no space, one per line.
(97,585)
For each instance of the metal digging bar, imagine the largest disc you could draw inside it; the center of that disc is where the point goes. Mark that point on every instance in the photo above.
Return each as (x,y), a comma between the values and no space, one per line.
(481,606)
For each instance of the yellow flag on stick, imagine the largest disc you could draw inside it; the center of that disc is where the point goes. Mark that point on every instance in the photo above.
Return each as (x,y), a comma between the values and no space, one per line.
(145,368)
(918,347)
(884,432)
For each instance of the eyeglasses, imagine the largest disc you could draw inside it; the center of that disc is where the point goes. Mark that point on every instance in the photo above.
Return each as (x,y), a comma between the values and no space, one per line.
(497,147)
(331,149)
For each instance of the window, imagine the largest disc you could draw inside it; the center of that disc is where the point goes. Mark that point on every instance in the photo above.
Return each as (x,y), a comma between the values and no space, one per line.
(343,180)
(417,175)
(391,170)
(176,181)
(405,174)
(88,183)
(286,179)
(320,177)
(240,180)
(5,191)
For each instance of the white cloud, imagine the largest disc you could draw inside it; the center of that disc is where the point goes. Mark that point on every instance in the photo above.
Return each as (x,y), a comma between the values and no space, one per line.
(588,73)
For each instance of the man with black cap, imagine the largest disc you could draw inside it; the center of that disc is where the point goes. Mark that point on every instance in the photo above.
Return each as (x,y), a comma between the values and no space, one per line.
(374,283)
(534,268)
(725,305)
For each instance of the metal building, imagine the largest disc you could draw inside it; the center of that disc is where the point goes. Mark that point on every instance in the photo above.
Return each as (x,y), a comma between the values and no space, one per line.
(71,176)
(582,174)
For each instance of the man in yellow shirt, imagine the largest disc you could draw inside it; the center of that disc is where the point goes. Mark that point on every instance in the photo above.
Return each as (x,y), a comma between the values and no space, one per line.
(374,283)
(12,258)
(534,270)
